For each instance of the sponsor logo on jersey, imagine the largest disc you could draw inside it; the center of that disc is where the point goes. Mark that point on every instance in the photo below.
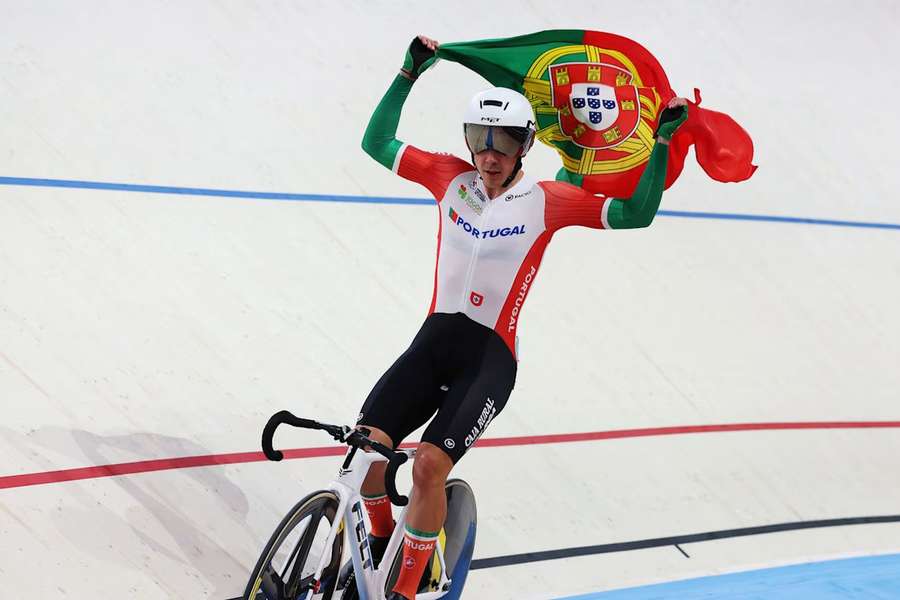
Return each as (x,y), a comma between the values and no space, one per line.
(469,200)
(511,197)
(484,419)
(520,299)
(476,299)
(450,443)
(476,191)
(491,233)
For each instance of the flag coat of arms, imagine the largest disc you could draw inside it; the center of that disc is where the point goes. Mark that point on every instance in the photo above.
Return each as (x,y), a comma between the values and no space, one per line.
(597,98)
(596,104)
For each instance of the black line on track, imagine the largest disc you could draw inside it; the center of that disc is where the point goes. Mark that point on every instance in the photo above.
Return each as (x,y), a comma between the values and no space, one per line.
(530,557)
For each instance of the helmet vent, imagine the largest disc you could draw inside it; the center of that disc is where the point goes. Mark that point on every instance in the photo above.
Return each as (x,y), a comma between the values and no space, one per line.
(492,103)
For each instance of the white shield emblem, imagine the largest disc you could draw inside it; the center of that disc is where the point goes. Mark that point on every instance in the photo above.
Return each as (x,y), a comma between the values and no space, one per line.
(595,105)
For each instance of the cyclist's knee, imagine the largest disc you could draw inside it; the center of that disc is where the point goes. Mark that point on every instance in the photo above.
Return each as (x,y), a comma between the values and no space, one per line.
(431,467)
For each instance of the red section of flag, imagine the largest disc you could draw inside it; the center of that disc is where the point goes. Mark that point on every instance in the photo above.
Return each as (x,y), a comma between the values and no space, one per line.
(723,148)
(600,149)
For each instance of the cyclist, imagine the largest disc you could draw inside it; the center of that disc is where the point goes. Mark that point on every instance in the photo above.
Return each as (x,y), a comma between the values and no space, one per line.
(495,223)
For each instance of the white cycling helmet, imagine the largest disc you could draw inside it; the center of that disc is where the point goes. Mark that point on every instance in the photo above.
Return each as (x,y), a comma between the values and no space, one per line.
(500,119)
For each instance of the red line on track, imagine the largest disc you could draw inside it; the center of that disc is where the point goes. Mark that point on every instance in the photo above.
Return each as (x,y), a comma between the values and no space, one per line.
(145,466)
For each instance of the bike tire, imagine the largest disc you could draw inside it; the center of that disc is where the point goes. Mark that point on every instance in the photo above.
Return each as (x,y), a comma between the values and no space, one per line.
(266,583)
(461,525)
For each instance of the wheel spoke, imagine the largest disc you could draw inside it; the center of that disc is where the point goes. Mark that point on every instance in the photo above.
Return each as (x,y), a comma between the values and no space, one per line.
(272,585)
(290,559)
(301,552)
(286,569)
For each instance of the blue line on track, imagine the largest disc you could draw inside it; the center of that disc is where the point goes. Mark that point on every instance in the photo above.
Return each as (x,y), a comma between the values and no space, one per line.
(863,577)
(187,191)
(774,219)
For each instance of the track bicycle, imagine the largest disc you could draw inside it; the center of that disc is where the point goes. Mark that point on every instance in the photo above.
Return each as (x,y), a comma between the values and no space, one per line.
(303,557)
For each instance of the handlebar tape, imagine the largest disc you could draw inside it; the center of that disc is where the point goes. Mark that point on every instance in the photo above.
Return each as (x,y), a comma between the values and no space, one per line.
(395,459)
(276,420)
(390,478)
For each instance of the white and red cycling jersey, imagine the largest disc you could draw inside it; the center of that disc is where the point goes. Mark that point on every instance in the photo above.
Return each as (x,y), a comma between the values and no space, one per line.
(489,251)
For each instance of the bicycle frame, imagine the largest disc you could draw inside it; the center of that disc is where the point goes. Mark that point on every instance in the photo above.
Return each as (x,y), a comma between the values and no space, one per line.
(370,582)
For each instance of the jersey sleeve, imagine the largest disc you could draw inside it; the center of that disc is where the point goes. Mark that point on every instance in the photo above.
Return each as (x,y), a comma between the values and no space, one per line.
(640,209)
(433,170)
(566,205)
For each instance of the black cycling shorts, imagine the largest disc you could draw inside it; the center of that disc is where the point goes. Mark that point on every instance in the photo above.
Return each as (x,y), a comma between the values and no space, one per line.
(455,367)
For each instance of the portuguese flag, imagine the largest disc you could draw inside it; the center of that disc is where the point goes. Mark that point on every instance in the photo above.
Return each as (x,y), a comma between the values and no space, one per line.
(597,99)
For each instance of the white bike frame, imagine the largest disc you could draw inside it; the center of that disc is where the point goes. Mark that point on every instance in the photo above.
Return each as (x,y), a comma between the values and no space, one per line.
(370,582)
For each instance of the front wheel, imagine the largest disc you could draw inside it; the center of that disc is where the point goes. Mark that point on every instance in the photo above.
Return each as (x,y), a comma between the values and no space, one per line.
(288,562)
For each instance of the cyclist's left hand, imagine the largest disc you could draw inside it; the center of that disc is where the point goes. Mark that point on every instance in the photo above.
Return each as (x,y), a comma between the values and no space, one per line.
(675,113)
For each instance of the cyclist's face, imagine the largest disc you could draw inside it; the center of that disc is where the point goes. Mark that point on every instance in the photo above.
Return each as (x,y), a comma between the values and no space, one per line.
(494,167)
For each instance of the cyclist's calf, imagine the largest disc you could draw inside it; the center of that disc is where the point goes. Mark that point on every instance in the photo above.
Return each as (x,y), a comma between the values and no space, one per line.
(428,502)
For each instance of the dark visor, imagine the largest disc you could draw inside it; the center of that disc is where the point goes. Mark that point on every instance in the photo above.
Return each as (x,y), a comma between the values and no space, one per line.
(501,139)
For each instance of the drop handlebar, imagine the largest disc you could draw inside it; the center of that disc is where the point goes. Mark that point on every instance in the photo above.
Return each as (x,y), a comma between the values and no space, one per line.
(352,437)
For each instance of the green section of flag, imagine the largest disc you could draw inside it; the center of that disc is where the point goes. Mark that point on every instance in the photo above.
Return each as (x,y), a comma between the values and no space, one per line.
(504,62)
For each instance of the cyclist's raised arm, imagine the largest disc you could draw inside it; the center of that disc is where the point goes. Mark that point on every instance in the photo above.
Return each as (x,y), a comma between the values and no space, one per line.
(641,207)
(380,141)
(434,171)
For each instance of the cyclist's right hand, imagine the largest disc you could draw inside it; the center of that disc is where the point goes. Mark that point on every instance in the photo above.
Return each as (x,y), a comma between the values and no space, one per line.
(419,57)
